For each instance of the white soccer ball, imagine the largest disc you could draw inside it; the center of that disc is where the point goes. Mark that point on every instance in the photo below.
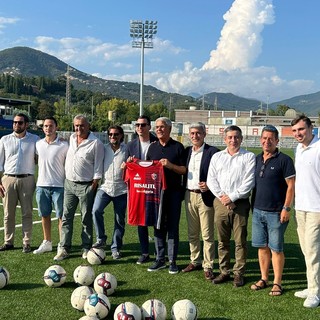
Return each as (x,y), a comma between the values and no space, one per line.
(153,309)
(184,310)
(127,310)
(4,277)
(83,275)
(79,296)
(88,318)
(97,305)
(55,276)
(96,256)
(105,283)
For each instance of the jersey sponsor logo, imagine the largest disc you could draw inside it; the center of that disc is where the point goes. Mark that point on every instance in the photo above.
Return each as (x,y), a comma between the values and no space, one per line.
(144,185)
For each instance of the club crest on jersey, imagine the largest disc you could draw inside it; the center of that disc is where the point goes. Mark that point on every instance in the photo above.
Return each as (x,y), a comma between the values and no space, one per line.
(154,176)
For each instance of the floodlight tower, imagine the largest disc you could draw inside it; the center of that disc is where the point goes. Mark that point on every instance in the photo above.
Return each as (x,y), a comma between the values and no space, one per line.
(142,36)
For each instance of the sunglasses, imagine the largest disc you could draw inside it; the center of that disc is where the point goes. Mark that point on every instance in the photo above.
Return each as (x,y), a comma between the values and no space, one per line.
(141,125)
(18,122)
(113,134)
(261,173)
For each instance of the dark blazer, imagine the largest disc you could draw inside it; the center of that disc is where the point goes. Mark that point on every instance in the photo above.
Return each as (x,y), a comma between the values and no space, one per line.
(208,151)
(134,147)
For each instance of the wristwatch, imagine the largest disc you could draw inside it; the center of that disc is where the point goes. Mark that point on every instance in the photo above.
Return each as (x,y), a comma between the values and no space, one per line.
(286,208)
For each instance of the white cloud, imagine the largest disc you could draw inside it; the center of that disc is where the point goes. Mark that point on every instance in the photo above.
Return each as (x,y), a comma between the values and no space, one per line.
(7,21)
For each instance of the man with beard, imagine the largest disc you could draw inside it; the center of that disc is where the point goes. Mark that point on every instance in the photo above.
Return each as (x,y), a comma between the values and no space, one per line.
(17,167)
(113,189)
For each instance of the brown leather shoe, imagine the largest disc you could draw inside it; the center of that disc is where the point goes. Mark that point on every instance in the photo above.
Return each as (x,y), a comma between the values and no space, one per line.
(222,277)
(208,274)
(238,280)
(192,267)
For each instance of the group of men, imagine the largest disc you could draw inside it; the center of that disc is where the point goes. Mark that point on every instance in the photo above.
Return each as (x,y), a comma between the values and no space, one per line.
(216,186)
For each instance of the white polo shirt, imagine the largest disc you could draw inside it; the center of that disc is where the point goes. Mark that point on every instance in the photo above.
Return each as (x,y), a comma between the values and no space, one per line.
(51,162)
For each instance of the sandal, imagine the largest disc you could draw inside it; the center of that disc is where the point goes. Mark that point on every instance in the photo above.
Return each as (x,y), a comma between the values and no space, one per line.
(261,284)
(277,292)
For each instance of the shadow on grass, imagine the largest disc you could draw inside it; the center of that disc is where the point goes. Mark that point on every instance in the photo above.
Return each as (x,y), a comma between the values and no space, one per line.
(22,286)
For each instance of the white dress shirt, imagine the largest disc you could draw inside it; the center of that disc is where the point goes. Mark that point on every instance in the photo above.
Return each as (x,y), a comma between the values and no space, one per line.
(113,183)
(232,175)
(84,162)
(17,155)
(194,169)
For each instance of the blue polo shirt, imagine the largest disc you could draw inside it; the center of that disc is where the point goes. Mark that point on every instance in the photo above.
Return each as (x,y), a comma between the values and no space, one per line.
(270,185)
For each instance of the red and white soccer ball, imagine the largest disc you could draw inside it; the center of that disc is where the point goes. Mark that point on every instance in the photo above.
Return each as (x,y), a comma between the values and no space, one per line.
(79,296)
(96,256)
(55,276)
(127,310)
(153,309)
(97,305)
(4,277)
(83,275)
(105,283)
(184,310)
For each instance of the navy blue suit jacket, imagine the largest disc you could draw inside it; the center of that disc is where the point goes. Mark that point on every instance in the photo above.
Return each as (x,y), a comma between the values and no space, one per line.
(134,147)
(208,151)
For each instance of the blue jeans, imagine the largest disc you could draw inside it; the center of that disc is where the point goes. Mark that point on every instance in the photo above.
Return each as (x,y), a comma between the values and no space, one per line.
(119,205)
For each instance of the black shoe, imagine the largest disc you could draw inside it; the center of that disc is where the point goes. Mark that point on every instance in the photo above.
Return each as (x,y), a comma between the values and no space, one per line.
(26,248)
(144,258)
(222,277)
(6,246)
(238,280)
(99,244)
(158,265)
(173,268)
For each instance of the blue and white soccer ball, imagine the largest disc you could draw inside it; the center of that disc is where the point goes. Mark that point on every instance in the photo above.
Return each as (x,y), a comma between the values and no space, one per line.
(184,310)
(126,311)
(79,296)
(55,276)
(153,309)
(105,283)
(97,305)
(4,277)
(83,275)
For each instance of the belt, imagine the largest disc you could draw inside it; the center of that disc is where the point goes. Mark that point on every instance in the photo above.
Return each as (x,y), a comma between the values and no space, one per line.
(195,190)
(82,182)
(19,175)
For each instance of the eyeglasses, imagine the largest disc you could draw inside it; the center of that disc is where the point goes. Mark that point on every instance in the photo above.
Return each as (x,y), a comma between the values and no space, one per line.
(142,125)
(113,134)
(18,122)
(262,169)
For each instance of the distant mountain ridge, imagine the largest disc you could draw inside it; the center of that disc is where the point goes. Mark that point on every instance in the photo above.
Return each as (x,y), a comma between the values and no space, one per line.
(32,63)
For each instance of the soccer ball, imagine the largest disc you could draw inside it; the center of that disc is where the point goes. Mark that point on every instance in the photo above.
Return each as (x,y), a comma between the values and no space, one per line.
(97,305)
(4,277)
(55,276)
(105,283)
(184,310)
(88,318)
(96,256)
(127,311)
(79,296)
(83,275)
(153,309)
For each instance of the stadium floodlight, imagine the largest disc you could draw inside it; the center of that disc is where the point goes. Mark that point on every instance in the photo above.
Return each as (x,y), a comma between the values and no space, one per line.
(142,37)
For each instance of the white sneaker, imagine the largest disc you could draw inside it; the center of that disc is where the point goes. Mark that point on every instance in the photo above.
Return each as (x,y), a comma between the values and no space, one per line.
(45,246)
(303,294)
(61,255)
(311,302)
(85,253)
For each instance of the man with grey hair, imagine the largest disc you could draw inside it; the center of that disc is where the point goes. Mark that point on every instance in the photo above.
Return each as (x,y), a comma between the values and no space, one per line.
(84,166)
(231,179)
(170,153)
(199,201)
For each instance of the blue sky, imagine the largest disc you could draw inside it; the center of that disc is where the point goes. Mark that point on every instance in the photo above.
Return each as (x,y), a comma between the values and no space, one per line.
(263,49)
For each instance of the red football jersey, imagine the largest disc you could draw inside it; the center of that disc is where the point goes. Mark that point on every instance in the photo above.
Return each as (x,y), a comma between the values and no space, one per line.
(146,182)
